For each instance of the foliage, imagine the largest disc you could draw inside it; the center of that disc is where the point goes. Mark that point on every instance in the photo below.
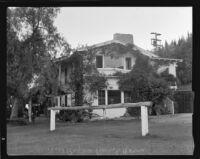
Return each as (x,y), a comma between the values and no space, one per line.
(184,101)
(77,77)
(32,41)
(168,77)
(74,115)
(71,115)
(112,49)
(144,84)
(96,82)
(181,49)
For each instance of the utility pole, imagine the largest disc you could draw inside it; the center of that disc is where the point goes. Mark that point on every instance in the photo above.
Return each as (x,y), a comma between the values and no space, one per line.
(155,41)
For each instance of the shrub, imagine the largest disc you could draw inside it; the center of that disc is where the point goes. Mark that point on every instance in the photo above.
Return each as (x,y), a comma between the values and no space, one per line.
(135,112)
(146,85)
(183,101)
(18,121)
(72,115)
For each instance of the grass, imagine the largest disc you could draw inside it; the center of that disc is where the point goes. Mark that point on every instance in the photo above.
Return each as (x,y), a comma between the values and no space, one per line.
(168,136)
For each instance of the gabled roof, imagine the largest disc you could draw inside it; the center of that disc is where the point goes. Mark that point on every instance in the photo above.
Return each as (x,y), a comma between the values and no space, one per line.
(144,52)
(135,47)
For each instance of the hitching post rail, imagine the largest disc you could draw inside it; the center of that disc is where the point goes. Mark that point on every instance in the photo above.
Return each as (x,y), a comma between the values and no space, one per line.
(143,105)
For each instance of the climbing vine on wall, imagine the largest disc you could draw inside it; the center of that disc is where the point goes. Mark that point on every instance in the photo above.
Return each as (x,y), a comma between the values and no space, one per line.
(158,63)
(96,82)
(144,83)
(76,77)
(84,71)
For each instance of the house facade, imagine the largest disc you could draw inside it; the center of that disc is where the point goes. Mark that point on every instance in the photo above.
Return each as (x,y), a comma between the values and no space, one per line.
(108,64)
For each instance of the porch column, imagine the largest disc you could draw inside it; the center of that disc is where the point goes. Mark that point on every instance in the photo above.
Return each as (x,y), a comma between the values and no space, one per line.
(59,74)
(106,97)
(106,102)
(52,120)
(59,103)
(122,96)
(69,100)
(144,122)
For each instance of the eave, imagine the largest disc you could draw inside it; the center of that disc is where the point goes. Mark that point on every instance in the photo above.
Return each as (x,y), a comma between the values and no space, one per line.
(167,59)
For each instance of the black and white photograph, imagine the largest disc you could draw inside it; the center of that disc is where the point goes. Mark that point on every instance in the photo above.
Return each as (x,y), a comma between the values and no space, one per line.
(99,80)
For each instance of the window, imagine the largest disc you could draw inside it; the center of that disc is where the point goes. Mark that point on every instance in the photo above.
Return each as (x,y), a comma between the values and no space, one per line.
(114,97)
(127,97)
(66,100)
(101,97)
(99,61)
(56,101)
(128,63)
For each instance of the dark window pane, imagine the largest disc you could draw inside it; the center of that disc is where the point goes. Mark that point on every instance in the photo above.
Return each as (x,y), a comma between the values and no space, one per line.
(128,63)
(101,97)
(127,97)
(99,61)
(114,97)
(65,100)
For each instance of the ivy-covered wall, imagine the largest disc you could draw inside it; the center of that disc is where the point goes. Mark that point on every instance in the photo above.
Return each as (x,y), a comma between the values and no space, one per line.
(84,74)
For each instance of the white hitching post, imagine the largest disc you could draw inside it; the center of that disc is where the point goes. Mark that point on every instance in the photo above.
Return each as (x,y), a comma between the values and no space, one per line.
(144,122)
(122,96)
(106,102)
(172,108)
(52,120)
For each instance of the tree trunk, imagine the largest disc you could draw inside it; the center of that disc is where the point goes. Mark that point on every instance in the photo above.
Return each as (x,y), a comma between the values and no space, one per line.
(15,107)
(30,111)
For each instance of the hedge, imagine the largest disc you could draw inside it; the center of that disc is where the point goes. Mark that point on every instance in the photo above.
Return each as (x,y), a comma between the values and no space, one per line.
(183,101)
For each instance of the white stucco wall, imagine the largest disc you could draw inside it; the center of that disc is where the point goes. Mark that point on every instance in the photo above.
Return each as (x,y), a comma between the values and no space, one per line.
(162,68)
(172,69)
(111,113)
(111,65)
(112,84)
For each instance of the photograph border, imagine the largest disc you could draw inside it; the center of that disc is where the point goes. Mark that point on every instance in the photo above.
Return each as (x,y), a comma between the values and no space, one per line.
(195,4)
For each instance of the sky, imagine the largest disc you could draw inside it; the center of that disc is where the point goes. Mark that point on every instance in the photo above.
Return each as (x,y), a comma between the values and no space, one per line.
(92,25)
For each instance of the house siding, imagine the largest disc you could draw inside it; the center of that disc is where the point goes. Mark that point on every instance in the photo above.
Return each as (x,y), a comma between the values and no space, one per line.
(112,63)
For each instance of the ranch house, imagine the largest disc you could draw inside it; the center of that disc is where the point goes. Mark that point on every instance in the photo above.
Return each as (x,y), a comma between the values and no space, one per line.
(108,64)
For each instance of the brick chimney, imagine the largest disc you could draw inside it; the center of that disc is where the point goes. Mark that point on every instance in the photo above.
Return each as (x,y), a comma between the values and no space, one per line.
(124,38)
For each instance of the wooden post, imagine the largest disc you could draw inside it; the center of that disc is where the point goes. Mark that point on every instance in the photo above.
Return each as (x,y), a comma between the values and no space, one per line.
(172,108)
(144,113)
(52,120)
(144,121)
(106,102)
(122,96)
(30,111)
(106,97)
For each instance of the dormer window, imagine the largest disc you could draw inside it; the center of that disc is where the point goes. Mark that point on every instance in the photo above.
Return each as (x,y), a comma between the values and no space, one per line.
(128,63)
(99,61)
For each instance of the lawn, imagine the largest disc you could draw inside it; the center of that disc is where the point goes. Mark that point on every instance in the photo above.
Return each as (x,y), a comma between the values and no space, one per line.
(169,135)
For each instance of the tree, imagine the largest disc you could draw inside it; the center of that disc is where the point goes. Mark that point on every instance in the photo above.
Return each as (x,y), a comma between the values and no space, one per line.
(32,41)
(181,49)
(144,84)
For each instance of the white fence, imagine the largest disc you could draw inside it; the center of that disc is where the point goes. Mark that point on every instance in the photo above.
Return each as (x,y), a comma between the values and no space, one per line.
(143,105)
